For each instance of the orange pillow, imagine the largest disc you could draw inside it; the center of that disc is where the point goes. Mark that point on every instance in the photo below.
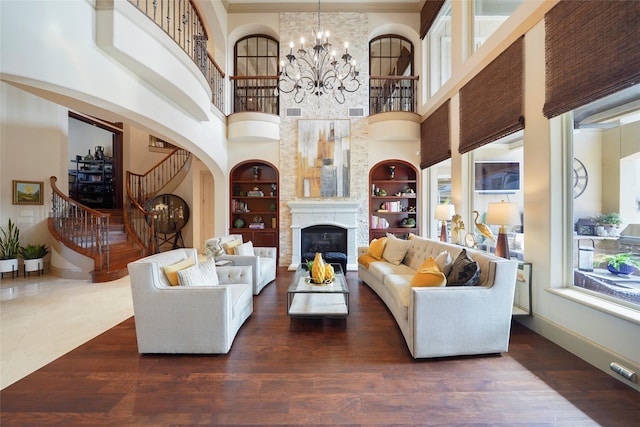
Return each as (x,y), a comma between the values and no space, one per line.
(171,271)
(429,275)
(229,247)
(376,247)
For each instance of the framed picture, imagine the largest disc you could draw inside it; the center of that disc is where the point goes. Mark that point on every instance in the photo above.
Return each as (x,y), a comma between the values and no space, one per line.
(27,192)
(323,158)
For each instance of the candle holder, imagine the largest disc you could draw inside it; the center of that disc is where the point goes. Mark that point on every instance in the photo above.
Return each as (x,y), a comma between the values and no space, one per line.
(392,172)
(256,173)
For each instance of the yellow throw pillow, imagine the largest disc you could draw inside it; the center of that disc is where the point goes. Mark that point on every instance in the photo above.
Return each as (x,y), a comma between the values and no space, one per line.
(229,247)
(429,275)
(376,247)
(171,271)
(366,260)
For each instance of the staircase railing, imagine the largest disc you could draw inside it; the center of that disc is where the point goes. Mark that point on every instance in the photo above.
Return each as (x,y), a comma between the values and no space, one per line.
(139,221)
(82,229)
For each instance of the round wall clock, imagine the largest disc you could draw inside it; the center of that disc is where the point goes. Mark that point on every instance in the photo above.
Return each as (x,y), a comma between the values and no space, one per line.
(471,241)
(580,178)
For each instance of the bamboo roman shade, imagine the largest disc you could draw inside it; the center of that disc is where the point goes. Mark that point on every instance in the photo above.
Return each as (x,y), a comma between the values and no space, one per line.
(434,137)
(491,104)
(428,14)
(592,50)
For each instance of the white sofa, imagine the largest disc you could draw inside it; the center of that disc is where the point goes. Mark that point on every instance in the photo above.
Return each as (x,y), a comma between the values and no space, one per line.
(451,320)
(187,319)
(263,262)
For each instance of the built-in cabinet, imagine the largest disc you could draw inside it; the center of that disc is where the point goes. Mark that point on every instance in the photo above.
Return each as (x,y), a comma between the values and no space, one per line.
(255,202)
(91,183)
(393,199)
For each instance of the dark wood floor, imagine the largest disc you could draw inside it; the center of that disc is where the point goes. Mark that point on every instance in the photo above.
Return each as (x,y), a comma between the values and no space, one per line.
(318,372)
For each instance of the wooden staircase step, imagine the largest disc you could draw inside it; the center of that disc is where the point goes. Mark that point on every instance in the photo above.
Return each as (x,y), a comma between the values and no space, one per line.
(120,254)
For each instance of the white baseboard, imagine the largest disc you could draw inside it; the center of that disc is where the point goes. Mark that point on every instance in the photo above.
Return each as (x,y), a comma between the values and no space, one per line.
(593,353)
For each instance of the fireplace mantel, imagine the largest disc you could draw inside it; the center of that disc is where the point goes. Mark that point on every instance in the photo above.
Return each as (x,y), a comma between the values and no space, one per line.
(341,213)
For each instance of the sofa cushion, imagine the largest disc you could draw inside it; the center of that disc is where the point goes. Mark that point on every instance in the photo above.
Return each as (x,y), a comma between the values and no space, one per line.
(395,249)
(376,247)
(171,271)
(244,249)
(229,247)
(428,275)
(366,260)
(464,271)
(203,274)
(382,268)
(398,285)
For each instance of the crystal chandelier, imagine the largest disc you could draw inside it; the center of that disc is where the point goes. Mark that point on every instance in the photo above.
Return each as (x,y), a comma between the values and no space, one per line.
(317,71)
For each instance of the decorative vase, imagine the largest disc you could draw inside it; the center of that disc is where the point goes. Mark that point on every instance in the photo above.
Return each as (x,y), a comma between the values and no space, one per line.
(35,264)
(625,269)
(9,265)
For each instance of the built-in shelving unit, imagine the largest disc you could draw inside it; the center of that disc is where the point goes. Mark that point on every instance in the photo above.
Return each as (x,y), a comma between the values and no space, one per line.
(91,183)
(254,189)
(393,199)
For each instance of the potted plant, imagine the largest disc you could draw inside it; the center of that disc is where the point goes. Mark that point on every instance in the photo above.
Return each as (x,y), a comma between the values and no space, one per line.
(9,246)
(610,222)
(622,263)
(33,256)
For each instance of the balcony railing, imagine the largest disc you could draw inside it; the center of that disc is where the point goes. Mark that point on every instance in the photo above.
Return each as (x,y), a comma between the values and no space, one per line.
(255,93)
(181,21)
(392,93)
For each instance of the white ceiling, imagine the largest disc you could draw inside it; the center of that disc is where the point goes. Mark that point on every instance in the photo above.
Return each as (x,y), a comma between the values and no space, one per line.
(258,6)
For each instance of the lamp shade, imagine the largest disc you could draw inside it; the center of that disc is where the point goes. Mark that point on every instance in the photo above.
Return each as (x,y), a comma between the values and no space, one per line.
(444,212)
(503,213)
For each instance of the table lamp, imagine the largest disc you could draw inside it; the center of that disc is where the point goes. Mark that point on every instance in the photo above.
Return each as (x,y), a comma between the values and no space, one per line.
(444,214)
(503,214)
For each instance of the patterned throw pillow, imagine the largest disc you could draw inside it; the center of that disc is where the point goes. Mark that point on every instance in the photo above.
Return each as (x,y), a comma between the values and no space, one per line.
(464,271)
(171,271)
(203,274)
(428,275)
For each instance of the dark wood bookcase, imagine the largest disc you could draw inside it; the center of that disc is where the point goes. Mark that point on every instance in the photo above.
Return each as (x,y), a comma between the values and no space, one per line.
(393,199)
(255,202)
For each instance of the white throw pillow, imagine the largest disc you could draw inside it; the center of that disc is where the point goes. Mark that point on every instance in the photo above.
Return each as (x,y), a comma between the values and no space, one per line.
(444,262)
(395,249)
(203,274)
(245,249)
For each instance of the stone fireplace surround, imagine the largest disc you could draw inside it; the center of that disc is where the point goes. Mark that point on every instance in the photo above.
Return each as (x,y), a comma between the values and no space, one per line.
(340,213)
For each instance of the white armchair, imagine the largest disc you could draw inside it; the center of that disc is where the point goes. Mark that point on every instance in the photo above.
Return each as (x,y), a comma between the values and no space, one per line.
(187,319)
(262,260)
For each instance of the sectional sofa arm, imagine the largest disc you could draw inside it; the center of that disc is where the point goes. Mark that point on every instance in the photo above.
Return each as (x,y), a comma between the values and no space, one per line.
(266,252)
(235,274)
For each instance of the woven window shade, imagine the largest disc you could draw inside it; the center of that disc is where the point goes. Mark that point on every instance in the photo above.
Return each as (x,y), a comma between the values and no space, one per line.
(592,50)
(435,145)
(491,103)
(428,14)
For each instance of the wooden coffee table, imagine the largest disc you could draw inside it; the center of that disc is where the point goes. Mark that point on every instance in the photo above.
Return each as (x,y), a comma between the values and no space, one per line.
(305,299)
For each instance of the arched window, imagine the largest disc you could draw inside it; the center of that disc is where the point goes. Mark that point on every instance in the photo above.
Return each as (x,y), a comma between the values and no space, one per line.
(392,85)
(256,74)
